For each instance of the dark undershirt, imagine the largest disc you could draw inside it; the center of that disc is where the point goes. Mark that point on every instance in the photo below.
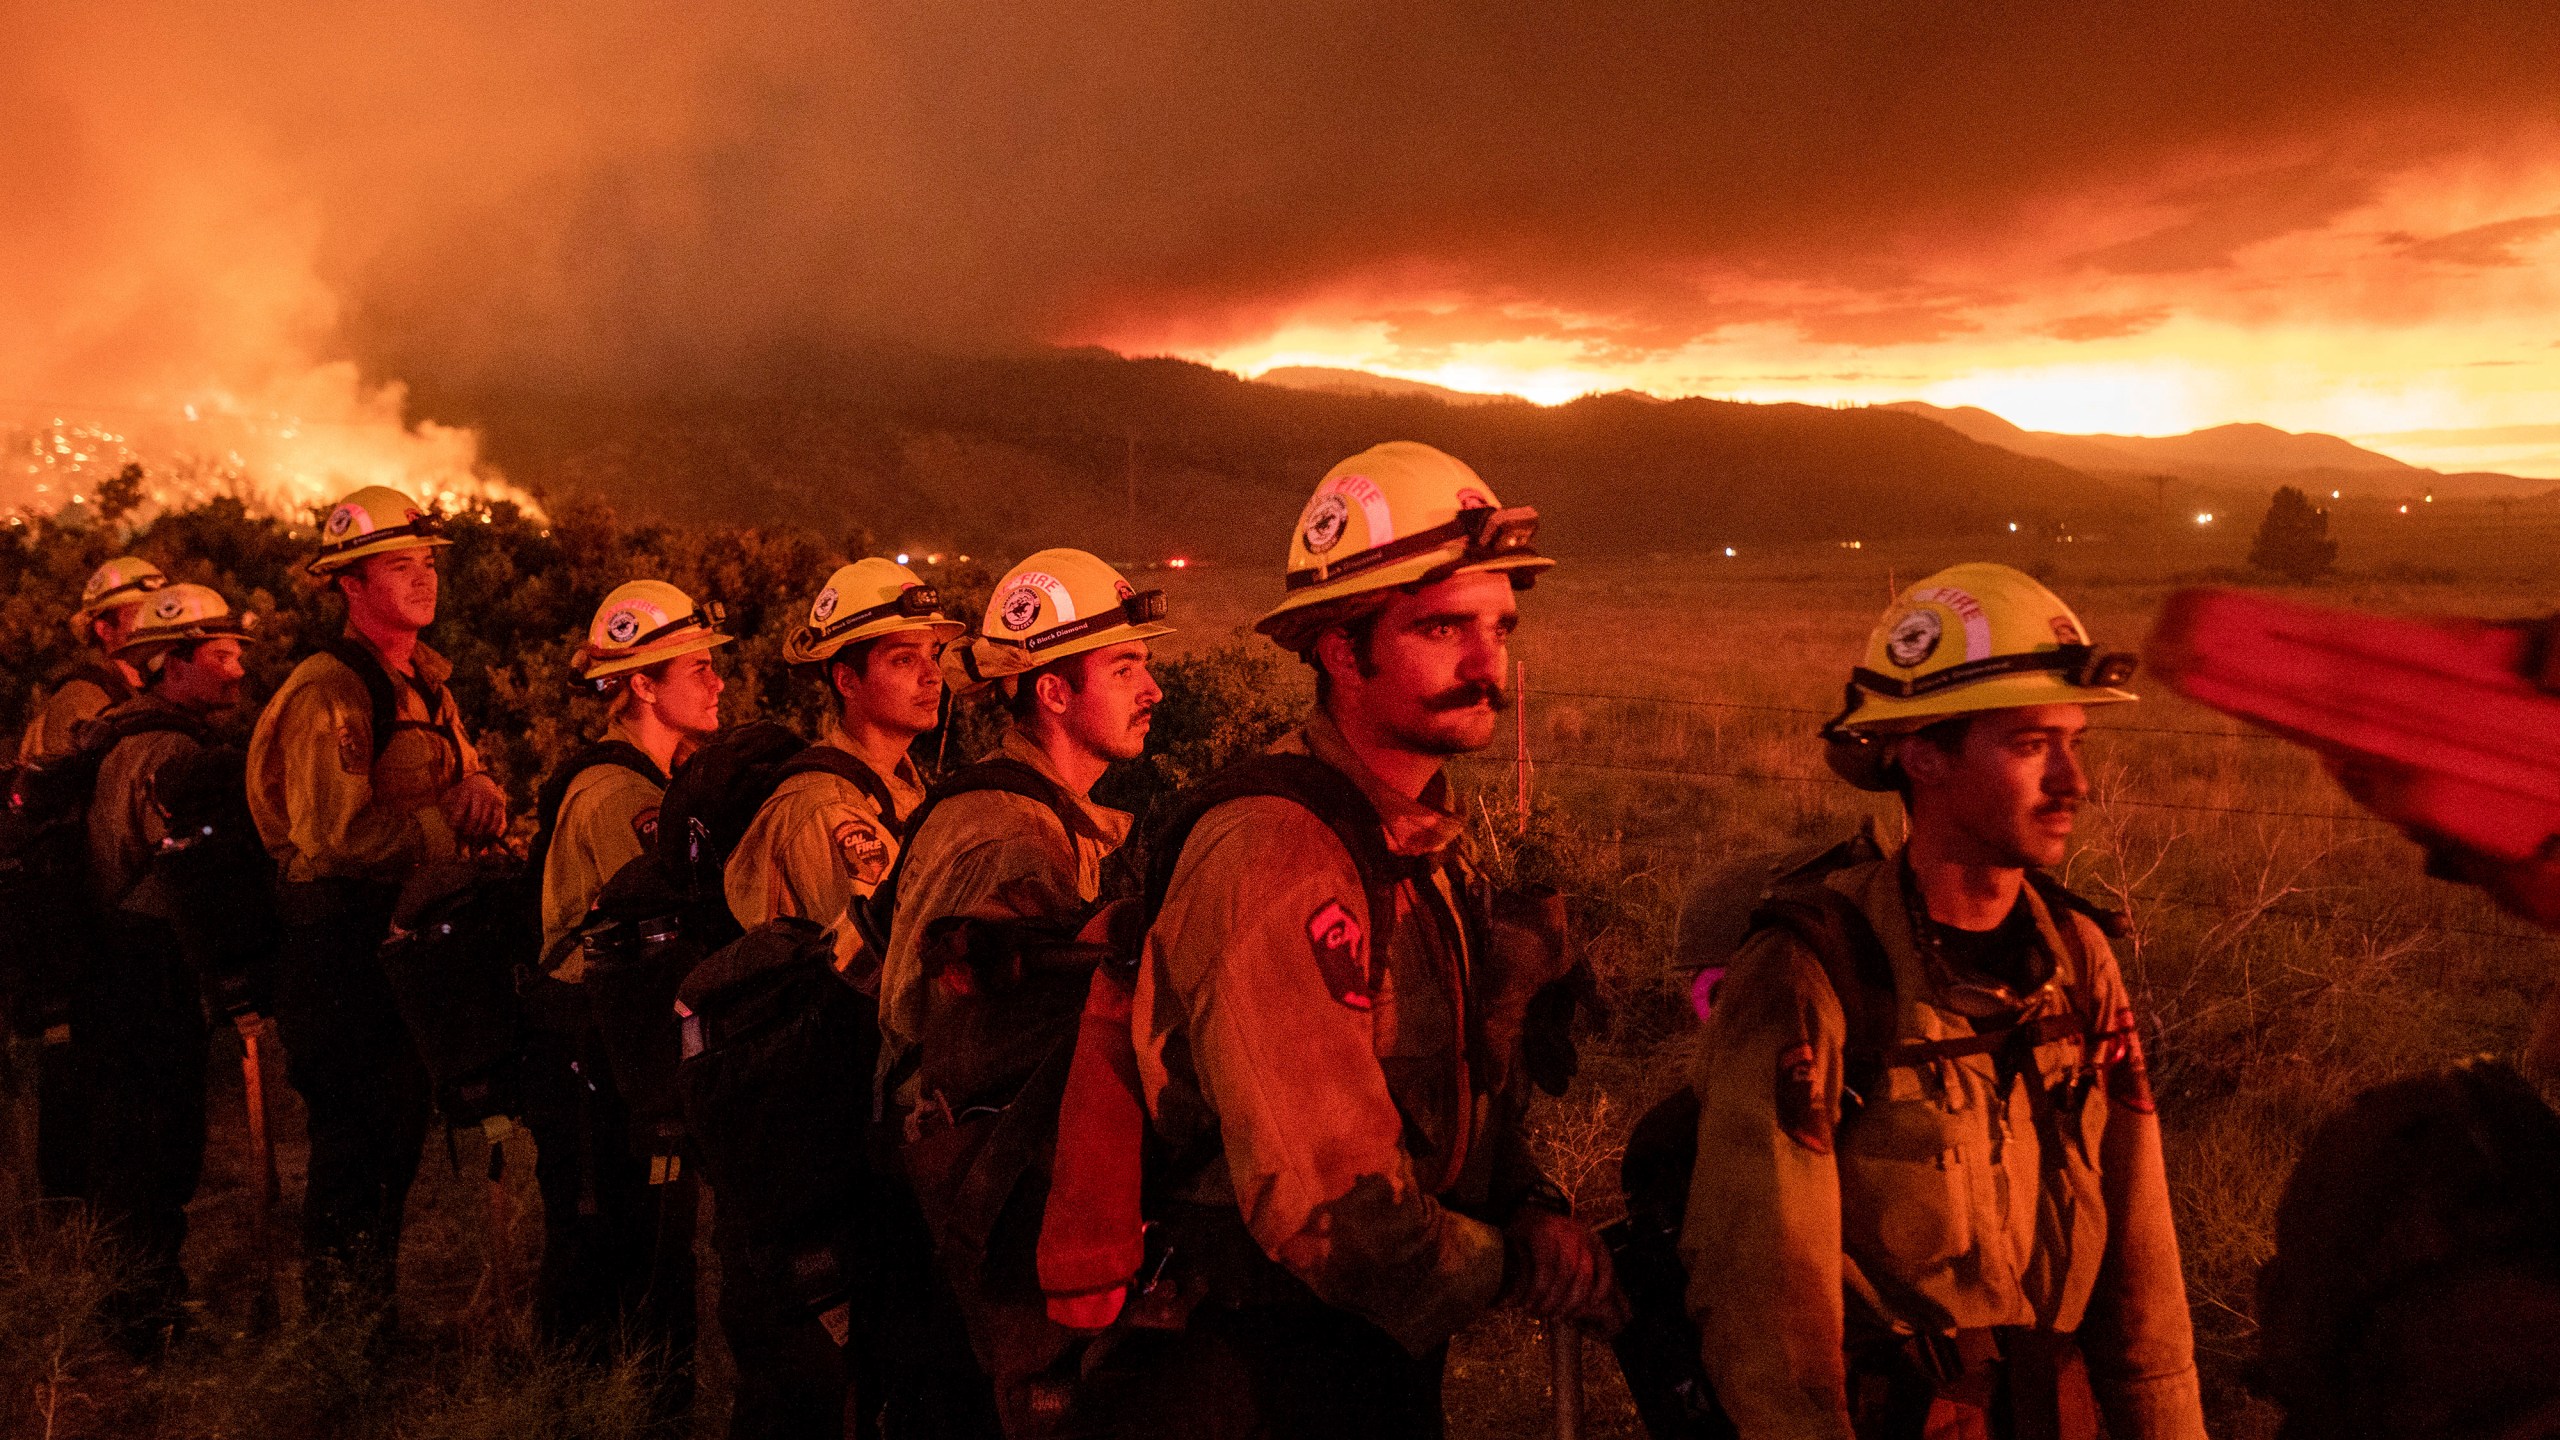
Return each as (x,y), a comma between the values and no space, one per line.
(2007,952)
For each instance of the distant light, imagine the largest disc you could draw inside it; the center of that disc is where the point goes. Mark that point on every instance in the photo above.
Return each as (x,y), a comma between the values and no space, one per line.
(1177,563)
(902,557)
(933,559)
(1728,552)
(2204,517)
(2013,527)
(2404,509)
(2431,499)
(2333,494)
(1853,545)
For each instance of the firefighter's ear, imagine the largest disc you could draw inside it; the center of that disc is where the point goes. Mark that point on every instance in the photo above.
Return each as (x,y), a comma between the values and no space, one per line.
(1920,757)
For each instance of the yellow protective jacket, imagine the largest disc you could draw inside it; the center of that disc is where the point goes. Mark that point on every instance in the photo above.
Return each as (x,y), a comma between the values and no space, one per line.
(54,732)
(608,818)
(1932,1203)
(327,806)
(816,849)
(996,856)
(1326,1046)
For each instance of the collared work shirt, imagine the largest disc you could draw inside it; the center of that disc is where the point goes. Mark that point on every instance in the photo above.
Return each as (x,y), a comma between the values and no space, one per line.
(1940,1202)
(329,807)
(608,818)
(817,848)
(1327,1045)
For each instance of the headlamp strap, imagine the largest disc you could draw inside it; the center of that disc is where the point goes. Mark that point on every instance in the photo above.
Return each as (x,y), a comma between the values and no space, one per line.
(915,602)
(1143,608)
(2083,665)
(1487,533)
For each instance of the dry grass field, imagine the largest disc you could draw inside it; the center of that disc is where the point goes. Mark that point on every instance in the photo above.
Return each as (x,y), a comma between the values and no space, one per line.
(2285,948)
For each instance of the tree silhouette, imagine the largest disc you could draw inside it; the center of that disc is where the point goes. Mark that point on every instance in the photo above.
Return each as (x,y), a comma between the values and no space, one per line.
(2293,541)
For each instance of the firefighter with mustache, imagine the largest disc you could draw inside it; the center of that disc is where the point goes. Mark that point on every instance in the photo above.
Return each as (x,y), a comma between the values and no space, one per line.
(1929,1196)
(1326,1016)
(987,969)
(361,773)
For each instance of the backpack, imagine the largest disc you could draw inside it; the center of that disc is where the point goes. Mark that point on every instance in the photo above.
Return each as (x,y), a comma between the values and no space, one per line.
(49,922)
(465,937)
(778,1053)
(215,878)
(1658,1351)
(666,912)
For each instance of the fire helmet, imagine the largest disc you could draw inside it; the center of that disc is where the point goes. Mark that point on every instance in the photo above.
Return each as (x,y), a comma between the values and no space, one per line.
(1395,515)
(863,601)
(641,623)
(180,614)
(1970,638)
(375,520)
(1054,604)
(125,580)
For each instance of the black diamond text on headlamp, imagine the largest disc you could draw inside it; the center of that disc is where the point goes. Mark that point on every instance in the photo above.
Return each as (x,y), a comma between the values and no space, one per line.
(914,603)
(2085,666)
(1488,533)
(1145,607)
(425,527)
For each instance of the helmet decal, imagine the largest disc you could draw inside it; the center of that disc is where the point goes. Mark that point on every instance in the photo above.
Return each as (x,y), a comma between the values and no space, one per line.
(1977,621)
(1021,607)
(1326,519)
(169,607)
(624,627)
(823,606)
(1913,639)
(345,518)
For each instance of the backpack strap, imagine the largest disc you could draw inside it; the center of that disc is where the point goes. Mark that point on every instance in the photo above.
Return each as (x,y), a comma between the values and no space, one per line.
(106,675)
(824,759)
(873,919)
(1832,925)
(555,789)
(381,693)
(1304,781)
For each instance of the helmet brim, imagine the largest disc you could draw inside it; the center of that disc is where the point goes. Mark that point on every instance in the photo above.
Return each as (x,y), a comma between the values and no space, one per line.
(1413,570)
(642,659)
(1890,715)
(327,566)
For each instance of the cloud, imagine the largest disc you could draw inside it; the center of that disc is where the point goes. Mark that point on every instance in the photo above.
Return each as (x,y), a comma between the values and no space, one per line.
(2481,245)
(2105,325)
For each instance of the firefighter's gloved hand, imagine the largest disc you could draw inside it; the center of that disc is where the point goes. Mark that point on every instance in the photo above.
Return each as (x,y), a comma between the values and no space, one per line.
(1556,1269)
(476,808)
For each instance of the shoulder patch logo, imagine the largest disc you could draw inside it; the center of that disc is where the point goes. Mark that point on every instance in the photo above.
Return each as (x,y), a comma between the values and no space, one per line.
(645,825)
(865,850)
(355,755)
(1342,954)
(1801,1110)
(2128,1076)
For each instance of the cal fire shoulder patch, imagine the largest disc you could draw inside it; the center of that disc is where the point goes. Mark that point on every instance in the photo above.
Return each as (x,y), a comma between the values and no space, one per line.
(1802,1112)
(864,848)
(1342,954)
(355,752)
(645,825)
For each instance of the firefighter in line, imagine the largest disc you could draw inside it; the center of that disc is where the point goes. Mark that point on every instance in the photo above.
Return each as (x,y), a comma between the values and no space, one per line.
(360,773)
(983,988)
(139,1011)
(1312,1024)
(617,1252)
(1929,1196)
(816,850)
(110,605)
(47,1116)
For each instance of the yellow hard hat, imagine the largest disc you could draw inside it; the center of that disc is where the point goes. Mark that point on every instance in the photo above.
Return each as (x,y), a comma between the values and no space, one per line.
(641,623)
(1970,638)
(375,520)
(122,581)
(1055,604)
(178,614)
(1401,514)
(863,601)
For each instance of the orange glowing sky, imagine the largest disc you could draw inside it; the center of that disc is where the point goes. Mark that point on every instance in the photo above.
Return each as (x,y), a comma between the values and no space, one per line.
(2139,217)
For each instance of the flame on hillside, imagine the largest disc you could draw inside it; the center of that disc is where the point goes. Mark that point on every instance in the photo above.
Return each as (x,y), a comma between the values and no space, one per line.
(284,453)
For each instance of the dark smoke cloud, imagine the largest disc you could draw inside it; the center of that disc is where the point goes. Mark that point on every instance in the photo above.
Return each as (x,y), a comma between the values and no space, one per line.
(478,194)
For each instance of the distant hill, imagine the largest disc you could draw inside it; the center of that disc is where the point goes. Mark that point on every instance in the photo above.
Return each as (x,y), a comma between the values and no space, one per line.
(2246,456)
(918,452)
(1333,380)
